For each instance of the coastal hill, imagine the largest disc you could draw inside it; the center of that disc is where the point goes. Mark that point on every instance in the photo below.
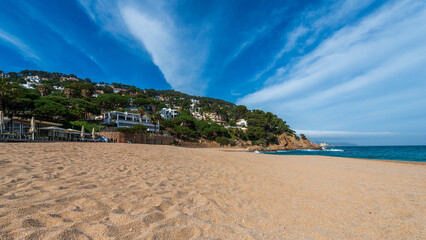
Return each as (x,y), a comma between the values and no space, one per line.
(75,102)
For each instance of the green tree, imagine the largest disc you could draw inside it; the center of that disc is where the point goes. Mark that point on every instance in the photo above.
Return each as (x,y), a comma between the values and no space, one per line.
(48,109)
(138,128)
(222,140)
(255,133)
(111,101)
(141,112)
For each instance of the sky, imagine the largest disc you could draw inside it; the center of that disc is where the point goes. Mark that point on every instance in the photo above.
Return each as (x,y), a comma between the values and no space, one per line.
(337,71)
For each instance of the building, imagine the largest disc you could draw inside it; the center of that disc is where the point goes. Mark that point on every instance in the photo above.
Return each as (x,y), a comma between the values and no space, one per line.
(68,79)
(97,93)
(117,90)
(19,128)
(197,115)
(127,119)
(241,123)
(168,113)
(4,75)
(31,81)
(194,102)
(159,98)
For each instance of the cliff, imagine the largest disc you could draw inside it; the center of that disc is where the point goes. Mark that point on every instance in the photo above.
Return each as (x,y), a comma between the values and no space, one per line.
(286,142)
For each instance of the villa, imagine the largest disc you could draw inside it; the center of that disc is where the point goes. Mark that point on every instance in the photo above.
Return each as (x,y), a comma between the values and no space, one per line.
(213,117)
(68,79)
(241,123)
(118,90)
(197,115)
(168,113)
(4,75)
(127,119)
(31,81)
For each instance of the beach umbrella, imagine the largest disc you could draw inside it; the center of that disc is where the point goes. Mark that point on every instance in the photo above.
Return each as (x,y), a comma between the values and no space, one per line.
(33,127)
(2,121)
(93,133)
(82,132)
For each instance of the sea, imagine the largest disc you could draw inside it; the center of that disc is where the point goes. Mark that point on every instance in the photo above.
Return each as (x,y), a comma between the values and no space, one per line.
(399,153)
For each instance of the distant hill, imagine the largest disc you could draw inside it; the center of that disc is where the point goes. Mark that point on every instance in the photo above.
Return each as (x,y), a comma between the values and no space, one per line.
(344,144)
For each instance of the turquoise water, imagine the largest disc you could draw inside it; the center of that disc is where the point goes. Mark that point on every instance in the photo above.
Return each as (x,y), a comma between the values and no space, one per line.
(400,153)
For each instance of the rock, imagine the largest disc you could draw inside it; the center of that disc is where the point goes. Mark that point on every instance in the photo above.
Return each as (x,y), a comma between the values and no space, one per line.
(286,142)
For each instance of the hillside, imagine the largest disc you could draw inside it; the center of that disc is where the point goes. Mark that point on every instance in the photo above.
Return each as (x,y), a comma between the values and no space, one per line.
(75,101)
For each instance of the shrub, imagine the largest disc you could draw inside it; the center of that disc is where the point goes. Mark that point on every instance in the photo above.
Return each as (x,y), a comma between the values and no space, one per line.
(138,128)
(222,140)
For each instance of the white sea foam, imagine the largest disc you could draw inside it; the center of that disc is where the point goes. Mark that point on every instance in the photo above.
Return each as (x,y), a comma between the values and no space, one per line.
(335,150)
(256,151)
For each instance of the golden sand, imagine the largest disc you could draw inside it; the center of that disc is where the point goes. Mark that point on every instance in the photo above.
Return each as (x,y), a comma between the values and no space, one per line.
(125,191)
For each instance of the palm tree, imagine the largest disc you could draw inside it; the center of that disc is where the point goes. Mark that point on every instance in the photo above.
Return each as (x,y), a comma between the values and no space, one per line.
(141,112)
(85,93)
(68,92)
(155,119)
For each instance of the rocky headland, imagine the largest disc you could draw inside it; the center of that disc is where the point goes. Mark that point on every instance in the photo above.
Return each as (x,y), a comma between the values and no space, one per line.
(286,142)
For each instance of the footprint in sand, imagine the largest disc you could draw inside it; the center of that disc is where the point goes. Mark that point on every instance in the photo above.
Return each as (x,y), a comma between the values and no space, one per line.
(27,223)
(153,218)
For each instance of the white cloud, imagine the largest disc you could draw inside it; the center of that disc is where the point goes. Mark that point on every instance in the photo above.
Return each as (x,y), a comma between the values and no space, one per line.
(292,39)
(179,51)
(346,134)
(180,59)
(312,25)
(352,52)
(23,49)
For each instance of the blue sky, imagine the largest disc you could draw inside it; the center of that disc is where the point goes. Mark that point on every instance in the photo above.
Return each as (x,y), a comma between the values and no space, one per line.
(339,71)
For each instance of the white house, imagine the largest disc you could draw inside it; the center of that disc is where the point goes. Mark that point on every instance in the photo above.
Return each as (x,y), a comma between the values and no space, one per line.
(241,123)
(4,75)
(126,119)
(193,103)
(31,80)
(168,113)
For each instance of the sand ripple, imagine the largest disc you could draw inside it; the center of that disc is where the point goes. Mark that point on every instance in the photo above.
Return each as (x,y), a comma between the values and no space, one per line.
(122,191)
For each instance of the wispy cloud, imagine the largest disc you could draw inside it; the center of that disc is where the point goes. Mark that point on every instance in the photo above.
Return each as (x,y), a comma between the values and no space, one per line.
(23,48)
(180,52)
(309,24)
(353,53)
(181,66)
(346,134)
(292,39)
(256,34)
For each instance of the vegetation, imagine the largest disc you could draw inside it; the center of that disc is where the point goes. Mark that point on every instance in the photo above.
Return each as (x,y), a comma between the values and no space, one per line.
(68,99)
(138,128)
(87,126)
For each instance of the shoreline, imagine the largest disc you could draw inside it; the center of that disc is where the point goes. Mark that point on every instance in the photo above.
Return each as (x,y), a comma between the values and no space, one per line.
(237,149)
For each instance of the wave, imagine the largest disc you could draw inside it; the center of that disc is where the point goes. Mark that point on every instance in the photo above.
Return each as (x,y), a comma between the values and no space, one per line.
(312,150)
(256,151)
(300,150)
(335,150)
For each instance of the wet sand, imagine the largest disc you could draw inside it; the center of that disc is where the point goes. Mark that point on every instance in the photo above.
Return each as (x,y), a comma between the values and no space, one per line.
(131,191)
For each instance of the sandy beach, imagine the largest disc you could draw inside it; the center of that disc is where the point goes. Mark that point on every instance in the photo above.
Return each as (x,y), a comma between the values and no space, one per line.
(132,191)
